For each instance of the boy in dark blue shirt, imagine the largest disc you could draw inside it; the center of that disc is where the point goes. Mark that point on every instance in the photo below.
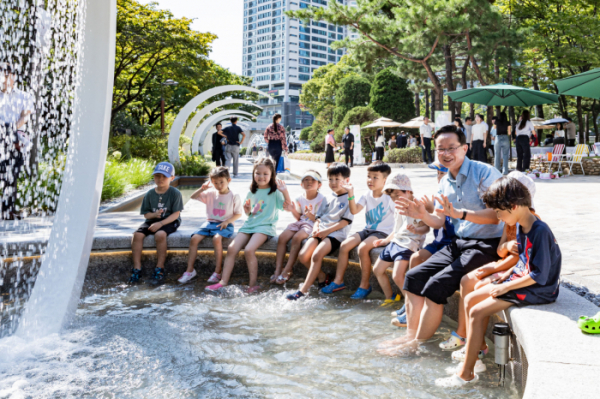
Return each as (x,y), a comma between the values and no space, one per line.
(534,280)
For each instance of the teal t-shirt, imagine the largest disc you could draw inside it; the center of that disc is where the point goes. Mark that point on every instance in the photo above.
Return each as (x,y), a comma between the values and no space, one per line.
(171,201)
(264,212)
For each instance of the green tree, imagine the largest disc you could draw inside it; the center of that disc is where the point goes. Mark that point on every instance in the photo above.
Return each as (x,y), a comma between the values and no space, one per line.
(353,91)
(391,97)
(357,116)
(319,129)
(305,133)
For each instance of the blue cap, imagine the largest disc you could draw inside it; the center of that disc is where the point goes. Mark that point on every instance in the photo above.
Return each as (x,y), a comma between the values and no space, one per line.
(438,166)
(164,168)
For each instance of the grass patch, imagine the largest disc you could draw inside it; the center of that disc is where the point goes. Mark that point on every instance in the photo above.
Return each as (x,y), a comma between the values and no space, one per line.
(123,175)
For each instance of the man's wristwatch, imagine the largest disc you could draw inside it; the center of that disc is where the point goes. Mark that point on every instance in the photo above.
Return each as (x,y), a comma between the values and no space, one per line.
(464,216)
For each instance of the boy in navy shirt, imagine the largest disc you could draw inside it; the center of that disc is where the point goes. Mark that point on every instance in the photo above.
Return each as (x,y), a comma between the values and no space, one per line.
(534,280)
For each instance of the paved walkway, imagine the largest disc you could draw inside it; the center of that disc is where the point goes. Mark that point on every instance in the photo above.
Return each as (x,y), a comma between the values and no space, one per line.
(567,205)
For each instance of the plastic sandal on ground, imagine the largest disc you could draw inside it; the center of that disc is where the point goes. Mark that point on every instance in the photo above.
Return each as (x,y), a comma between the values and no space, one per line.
(400,311)
(399,321)
(590,325)
(453,342)
(454,381)
(214,278)
(361,293)
(283,279)
(393,300)
(252,290)
(462,353)
(294,297)
(333,287)
(479,368)
(214,287)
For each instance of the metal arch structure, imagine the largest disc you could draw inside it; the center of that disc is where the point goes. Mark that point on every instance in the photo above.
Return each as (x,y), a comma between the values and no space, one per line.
(201,131)
(190,107)
(191,127)
(57,290)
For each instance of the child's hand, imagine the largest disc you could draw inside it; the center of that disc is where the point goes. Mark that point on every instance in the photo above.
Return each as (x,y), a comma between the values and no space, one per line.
(498,290)
(222,226)
(321,234)
(289,206)
(513,247)
(159,213)
(247,206)
(346,185)
(281,185)
(308,212)
(379,243)
(411,228)
(206,186)
(155,226)
(484,271)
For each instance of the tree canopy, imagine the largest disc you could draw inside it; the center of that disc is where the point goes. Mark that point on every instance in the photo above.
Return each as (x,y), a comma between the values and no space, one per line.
(353,91)
(391,98)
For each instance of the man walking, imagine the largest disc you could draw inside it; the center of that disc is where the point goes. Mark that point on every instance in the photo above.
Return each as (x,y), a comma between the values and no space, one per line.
(571,133)
(232,151)
(348,140)
(425,131)
(15,108)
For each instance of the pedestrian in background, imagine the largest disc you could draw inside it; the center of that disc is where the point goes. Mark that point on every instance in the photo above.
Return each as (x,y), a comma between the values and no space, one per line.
(348,142)
(275,137)
(524,131)
(426,131)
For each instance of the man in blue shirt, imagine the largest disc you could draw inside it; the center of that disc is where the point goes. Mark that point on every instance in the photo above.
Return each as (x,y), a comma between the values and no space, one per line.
(232,151)
(477,231)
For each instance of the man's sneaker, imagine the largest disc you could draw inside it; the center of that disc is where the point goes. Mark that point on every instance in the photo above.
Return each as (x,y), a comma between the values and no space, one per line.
(361,293)
(400,311)
(395,298)
(400,321)
(294,297)
(136,274)
(215,278)
(187,277)
(158,277)
(461,354)
(333,287)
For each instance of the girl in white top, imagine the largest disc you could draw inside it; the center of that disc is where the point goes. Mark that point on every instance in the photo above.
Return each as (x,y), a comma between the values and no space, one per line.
(479,133)
(379,145)
(527,129)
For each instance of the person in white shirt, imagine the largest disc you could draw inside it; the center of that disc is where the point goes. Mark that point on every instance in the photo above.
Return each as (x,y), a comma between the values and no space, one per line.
(379,145)
(15,108)
(425,131)
(524,131)
(479,133)
(467,131)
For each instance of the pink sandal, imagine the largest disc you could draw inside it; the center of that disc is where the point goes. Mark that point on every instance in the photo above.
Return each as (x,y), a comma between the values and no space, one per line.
(252,290)
(214,287)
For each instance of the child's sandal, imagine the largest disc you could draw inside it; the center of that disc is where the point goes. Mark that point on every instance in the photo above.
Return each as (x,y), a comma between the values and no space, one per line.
(283,279)
(453,342)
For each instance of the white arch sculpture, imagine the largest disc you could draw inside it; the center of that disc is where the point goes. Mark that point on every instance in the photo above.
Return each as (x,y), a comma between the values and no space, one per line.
(191,127)
(208,122)
(190,107)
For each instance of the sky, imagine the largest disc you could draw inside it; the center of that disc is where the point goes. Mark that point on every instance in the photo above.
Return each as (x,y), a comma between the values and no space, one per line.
(222,17)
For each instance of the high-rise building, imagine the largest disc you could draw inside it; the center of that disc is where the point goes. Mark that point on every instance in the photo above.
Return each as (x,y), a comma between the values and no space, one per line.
(281,54)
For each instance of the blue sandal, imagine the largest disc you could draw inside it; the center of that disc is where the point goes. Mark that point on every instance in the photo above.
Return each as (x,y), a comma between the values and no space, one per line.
(361,293)
(333,287)
(399,312)
(294,297)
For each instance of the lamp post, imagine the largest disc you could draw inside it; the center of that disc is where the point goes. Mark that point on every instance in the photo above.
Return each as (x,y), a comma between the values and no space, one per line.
(168,82)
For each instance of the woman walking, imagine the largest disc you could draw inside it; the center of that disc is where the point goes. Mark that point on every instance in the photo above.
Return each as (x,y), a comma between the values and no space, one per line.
(379,145)
(275,139)
(503,131)
(218,156)
(329,147)
(478,139)
(524,130)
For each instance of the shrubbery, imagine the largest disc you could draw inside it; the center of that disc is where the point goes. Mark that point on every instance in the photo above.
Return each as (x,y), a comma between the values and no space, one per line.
(193,165)
(404,155)
(121,175)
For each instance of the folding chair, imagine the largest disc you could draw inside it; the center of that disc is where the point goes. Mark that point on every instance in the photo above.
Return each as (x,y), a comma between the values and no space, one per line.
(580,151)
(557,156)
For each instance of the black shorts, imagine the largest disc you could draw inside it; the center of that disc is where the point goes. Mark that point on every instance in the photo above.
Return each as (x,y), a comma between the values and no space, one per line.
(335,243)
(439,276)
(366,233)
(512,297)
(167,228)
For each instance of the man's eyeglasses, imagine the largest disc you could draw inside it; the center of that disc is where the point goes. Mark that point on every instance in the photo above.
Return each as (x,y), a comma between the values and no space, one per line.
(450,150)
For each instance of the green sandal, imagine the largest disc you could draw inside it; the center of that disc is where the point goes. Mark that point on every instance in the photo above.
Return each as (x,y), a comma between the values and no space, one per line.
(590,325)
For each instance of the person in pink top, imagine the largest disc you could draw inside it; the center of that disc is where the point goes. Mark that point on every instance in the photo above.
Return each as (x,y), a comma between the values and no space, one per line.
(329,147)
(223,207)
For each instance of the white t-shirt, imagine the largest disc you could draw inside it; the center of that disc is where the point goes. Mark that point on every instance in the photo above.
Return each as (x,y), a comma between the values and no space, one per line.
(526,130)
(380,141)
(478,130)
(559,133)
(13,103)
(404,237)
(317,205)
(221,207)
(379,212)
(425,130)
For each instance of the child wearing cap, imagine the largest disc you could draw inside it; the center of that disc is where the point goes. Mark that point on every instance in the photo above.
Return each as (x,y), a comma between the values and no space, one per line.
(161,208)
(223,208)
(508,250)
(379,213)
(304,209)
(405,239)
(533,281)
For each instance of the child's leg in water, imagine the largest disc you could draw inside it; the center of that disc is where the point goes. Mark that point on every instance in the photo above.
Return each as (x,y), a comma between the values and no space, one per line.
(282,242)
(316,261)
(218,247)
(193,252)
(294,251)
(234,248)
(255,242)
(384,282)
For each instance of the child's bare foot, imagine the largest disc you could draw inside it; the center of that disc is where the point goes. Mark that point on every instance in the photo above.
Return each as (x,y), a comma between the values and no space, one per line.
(274,278)
(398,341)
(402,350)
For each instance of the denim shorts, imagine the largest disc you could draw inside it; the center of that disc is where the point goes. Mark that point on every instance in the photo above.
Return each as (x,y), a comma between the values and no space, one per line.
(211,229)
(393,252)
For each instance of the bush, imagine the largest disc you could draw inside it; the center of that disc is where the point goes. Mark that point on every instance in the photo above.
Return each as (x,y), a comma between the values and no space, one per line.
(404,155)
(356,116)
(153,147)
(305,133)
(123,175)
(193,165)
(315,157)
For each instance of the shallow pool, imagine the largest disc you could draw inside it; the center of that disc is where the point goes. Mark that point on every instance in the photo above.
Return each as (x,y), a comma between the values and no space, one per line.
(180,342)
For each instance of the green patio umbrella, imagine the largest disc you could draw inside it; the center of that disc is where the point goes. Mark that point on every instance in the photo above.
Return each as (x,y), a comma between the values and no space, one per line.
(502,94)
(585,84)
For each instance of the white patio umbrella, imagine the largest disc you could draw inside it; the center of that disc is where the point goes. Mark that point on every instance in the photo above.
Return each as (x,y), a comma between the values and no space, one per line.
(538,123)
(416,123)
(383,123)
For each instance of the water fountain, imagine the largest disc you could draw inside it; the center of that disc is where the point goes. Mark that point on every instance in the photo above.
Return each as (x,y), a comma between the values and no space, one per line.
(257,140)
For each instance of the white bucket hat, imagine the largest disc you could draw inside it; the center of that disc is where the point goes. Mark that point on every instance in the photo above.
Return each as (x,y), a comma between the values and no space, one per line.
(526,181)
(398,181)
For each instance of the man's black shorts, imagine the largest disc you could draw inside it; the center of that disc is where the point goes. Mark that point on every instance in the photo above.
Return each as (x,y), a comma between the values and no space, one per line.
(439,276)
(167,228)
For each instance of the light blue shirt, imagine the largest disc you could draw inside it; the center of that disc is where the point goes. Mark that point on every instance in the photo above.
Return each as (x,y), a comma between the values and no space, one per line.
(465,193)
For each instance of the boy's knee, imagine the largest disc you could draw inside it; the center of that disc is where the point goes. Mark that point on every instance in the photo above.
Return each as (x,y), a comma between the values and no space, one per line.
(364,249)
(297,239)
(217,240)
(477,312)
(160,236)
(138,237)
(347,246)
